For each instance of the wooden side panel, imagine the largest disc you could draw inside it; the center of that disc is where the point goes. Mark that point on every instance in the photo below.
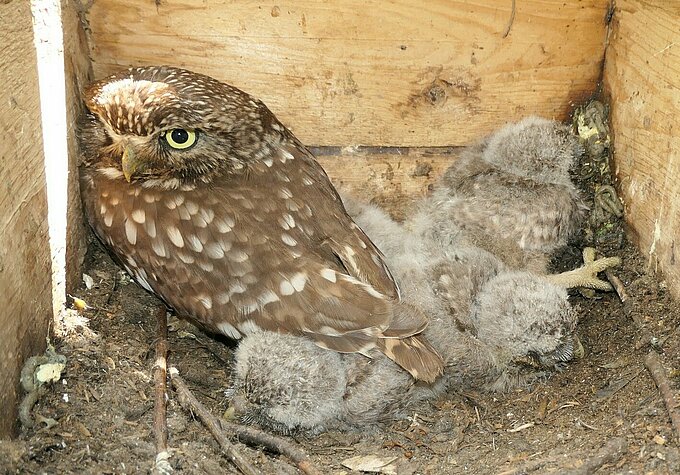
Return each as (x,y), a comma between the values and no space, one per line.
(642,76)
(25,269)
(78,73)
(382,73)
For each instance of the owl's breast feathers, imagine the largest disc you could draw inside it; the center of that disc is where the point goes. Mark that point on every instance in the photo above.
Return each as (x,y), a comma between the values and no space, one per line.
(269,248)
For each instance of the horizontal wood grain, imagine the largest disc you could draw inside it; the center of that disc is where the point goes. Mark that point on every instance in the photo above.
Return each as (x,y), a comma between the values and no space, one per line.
(393,180)
(395,73)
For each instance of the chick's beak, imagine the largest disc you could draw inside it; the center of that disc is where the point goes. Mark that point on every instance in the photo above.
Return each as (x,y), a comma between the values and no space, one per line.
(130,163)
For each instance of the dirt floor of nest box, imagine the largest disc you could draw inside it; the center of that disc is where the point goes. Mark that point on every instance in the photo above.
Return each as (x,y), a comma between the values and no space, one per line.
(384,93)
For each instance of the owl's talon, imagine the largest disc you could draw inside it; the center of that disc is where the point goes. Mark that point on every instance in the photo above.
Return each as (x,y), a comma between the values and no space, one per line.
(586,275)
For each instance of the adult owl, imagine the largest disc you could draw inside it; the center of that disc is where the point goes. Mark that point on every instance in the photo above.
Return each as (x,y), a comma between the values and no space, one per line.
(212,204)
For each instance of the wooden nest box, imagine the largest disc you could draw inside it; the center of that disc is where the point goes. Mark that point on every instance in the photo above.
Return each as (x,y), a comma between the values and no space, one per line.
(383,91)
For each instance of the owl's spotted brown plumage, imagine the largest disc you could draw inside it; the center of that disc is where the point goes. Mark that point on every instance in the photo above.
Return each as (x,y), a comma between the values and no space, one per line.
(211,203)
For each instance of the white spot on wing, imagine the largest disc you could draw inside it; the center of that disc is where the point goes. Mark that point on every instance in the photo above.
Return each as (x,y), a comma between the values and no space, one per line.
(205,300)
(286,288)
(248,327)
(229,330)
(267,297)
(158,247)
(175,236)
(329,275)
(150,227)
(131,231)
(299,280)
(138,216)
(288,239)
(214,250)
(194,243)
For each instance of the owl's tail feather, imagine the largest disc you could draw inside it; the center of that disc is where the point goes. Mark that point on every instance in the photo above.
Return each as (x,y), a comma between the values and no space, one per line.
(415,355)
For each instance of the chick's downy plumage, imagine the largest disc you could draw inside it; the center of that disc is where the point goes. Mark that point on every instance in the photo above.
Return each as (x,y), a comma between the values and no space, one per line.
(212,204)
(512,193)
(496,329)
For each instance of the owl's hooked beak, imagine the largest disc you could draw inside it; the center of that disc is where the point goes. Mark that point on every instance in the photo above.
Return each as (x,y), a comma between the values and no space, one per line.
(130,163)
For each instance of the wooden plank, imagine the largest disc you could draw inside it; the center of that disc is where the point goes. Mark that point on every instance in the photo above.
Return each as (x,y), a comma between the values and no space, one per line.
(394,180)
(396,73)
(78,72)
(25,269)
(642,77)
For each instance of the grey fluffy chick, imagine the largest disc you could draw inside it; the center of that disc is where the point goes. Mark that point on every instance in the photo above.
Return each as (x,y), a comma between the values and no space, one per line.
(495,328)
(512,194)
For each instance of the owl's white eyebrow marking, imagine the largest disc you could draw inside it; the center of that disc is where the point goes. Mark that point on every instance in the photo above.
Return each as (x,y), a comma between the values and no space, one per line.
(174,235)
(138,216)
(229,330)
(288,239)
(110,172)
(131,231)
(329,274)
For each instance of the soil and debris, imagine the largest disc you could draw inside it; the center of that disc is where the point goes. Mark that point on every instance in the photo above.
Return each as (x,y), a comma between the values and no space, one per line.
(604,412)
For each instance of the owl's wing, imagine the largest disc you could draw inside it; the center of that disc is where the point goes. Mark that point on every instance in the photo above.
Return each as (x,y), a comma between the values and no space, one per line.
(338,311)
(347,241)
(365,262)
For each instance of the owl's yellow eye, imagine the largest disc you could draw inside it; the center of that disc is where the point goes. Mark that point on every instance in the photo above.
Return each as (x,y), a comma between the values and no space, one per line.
(180,139)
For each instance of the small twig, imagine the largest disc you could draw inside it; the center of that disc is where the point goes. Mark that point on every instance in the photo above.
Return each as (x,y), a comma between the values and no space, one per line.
(160,426)
(610,453)
(646,338)
(653,364)
(506,32)
(193,405)
(273,443)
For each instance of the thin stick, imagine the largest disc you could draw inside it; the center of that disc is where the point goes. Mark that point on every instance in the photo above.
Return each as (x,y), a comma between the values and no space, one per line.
(647,337)
(610,453)
(652,361)
(193,405)
(273,443)
(653,364)
(160,426)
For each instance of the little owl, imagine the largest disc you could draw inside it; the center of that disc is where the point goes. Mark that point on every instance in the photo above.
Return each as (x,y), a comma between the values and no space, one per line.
(212,204)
